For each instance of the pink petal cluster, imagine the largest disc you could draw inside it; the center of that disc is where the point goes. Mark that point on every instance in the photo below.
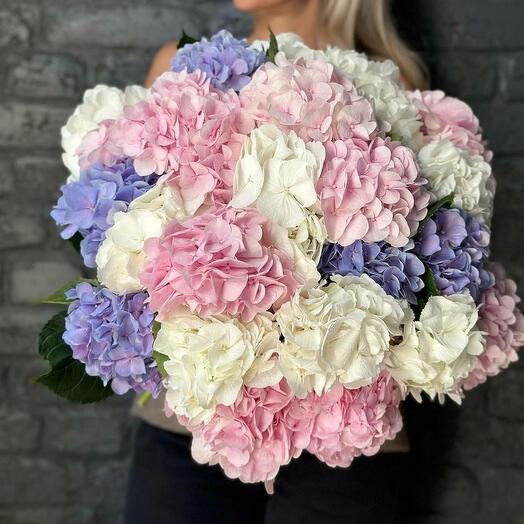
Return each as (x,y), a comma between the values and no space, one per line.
(310,98)
(266,428)
(186,129)
(449,118)
(503,322)
(371,191)
(342,424)
(219,262)
(251,439)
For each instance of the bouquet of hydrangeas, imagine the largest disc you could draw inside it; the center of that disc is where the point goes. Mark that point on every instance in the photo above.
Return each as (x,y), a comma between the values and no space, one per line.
(287,243)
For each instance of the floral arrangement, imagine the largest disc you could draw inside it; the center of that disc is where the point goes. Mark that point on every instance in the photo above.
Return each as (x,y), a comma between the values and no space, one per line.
(287,243)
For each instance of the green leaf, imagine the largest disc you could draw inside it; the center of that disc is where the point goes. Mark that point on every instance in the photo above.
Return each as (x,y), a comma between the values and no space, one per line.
(433,208)
(395,137)
(50,343)
(156,328)
(160,360)
(430,290)
(70,381)
(185,39)
(273,47)
(58,297)
(75,241)
(67,377)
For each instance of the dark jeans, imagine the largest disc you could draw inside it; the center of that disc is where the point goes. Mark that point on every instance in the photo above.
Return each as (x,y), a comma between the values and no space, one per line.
(167,486)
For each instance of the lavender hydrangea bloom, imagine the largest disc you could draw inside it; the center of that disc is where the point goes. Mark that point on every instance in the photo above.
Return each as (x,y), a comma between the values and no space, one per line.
(397,271)
(112,335)
(88,205)
(455,246)
(227,61)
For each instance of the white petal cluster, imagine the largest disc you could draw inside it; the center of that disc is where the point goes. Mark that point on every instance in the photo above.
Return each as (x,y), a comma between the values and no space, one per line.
(209,359)
(379,82)
(121,257)
(98,104)
(277,173)
(439,350)
(449,169)
(340,332)
(303,245)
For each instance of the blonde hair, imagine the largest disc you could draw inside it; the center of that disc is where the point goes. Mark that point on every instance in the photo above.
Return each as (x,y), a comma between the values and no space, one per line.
(367,25)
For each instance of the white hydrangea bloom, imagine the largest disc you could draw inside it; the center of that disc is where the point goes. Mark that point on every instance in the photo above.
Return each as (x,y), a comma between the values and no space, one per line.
(263,334)
(449,169)
(338,333)
(121,257)
(303,244)
(439,350)
(379,81)
(98,104)
(277,173)
(207,361)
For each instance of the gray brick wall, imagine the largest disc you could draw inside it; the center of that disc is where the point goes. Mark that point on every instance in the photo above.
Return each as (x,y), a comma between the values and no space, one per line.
(61,463)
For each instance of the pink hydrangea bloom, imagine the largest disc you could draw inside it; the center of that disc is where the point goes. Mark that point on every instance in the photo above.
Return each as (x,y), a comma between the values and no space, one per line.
(450,118)
(186,129)
(219,262)
(310,98)
(342,424)
(371,191)
(503,322)
(250,440)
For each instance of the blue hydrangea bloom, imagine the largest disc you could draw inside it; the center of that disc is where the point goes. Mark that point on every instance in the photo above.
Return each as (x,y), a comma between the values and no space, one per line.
(88,205)
(226,60)
(455,246)
(113,336)
(397,271)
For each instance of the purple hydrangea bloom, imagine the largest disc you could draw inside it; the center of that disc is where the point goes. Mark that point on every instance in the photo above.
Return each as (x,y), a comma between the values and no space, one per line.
(397,271)
(455,246)
(227,61)
(113,336)
(88,205)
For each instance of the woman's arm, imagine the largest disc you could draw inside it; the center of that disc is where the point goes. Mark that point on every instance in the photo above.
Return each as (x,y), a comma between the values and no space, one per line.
(161,62)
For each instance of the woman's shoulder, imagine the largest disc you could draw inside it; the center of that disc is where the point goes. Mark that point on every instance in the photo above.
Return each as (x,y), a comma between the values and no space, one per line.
(161,61)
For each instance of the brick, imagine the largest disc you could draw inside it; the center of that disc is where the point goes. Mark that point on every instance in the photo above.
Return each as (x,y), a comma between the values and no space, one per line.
(498,121)
(35,124)
(502,487)
(48,515)
(456,79)
(512,82)
(32,480)
(506,398)
(73,430)
(20,386)
(35,281)
(130,26)
(19,432)
(18,22)
(20,232)
(49,76)
(45,175)
(6,178)
(448,24)
(508,226)
(117,67)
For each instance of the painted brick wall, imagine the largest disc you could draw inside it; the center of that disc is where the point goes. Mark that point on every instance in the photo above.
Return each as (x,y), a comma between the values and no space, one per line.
(61,463)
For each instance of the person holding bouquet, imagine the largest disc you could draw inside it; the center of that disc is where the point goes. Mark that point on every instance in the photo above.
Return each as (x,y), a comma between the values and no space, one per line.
(165,484)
